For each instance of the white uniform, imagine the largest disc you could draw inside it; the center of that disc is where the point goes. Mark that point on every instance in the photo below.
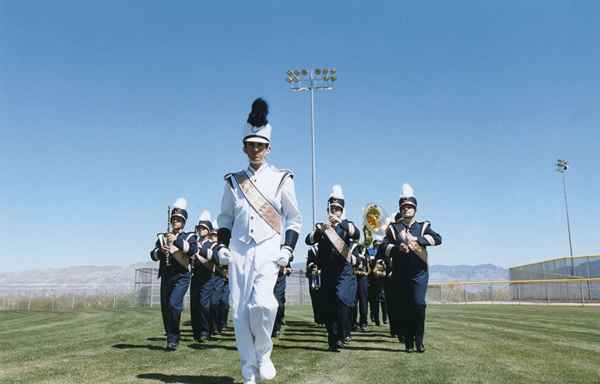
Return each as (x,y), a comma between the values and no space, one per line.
(255,249)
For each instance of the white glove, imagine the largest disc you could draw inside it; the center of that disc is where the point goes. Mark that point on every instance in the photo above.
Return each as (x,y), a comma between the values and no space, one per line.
(224,256)
(284,257)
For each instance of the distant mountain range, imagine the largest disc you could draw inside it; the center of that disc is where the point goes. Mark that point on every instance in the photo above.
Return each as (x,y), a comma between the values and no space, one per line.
(125,275)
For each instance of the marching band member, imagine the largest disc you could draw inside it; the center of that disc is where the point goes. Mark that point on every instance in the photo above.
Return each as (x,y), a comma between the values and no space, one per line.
(173,250)
(219,298)
(376,281)
(259,226)
(279,292)
(314,282)
(406,242)
(222,298)
(360,311)
(203,281)
(335,240)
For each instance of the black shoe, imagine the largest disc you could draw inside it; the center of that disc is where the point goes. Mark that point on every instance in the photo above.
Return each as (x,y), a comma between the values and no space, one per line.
(204,337)
(354,328)
(340,344)
(401,339)
(409,344)
(377,323)
(347,339)
(363,328)
(420,348)
(384,322)
(171,346)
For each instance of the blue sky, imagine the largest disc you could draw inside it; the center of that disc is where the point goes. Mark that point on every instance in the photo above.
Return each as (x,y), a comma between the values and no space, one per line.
(110,111)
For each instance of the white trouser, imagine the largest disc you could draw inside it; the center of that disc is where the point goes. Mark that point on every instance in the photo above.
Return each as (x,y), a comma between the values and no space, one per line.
(252,277)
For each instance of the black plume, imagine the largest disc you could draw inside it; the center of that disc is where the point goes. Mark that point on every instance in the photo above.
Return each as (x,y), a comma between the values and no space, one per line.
(259,112)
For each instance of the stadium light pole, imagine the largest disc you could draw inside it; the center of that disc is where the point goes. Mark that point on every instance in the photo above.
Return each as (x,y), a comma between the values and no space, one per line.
(561,167)
(311,80)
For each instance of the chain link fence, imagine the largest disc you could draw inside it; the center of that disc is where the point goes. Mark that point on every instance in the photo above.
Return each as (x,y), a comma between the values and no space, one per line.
(66,297)
(582,291)
(145,292)
(566,279)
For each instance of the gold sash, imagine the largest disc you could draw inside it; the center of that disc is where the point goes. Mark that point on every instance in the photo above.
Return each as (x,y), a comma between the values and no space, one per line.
(259,202)
(338,243)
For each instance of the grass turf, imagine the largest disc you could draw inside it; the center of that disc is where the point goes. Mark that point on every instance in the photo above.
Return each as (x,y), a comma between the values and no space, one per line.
(465,344)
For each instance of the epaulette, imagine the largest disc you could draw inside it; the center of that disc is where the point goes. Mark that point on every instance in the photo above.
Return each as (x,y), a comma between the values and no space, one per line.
(426,224)
(227,178)
(286,173)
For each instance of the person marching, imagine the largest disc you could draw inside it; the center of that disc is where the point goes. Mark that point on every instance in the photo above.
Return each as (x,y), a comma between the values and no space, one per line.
(360,311)
(259,226)
(335,240)
(406,242)
(376,280)
(219,295)
(173,251)
(313,273)
(203,281)
(279,292)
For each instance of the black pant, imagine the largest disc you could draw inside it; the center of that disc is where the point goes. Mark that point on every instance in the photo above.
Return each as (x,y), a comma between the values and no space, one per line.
(362,295)
(375,303)
(339,326)
(411,291)
(391,307)
(314,301)
(279,293)
(201,290)
(172,291)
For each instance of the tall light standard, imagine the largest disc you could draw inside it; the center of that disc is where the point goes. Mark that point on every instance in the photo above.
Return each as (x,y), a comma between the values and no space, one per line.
(311,80)
(561,167)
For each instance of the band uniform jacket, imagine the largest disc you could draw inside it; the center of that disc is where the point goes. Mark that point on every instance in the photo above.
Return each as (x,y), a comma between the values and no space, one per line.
(407,264)
(187,243)
(337,275)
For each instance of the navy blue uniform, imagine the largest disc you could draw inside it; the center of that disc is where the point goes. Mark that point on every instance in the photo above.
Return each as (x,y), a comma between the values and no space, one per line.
(361,310)
(311,262)
(409,278)
(204,283)
(338,283)
(279,292)
(219,302)
(222,301)
(376,291)
(174,282)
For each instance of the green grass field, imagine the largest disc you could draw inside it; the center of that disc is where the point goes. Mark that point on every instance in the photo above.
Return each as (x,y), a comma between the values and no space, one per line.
(465,344)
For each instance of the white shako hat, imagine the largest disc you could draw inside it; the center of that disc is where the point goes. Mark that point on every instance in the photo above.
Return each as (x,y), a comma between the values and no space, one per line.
(336,197)
(257,129)
(408,196)
(205,220)
(179,209)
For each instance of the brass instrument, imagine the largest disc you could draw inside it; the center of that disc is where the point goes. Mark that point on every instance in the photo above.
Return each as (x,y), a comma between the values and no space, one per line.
(375,222)
(378,270)
(363,267)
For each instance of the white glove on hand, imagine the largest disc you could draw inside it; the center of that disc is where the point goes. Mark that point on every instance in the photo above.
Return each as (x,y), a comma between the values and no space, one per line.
(284,257)
(224,256)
